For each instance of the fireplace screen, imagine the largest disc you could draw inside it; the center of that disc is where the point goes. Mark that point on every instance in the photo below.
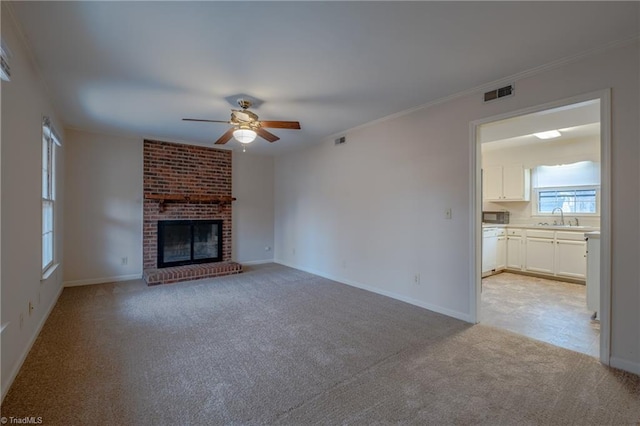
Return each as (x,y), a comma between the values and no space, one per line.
(185,242)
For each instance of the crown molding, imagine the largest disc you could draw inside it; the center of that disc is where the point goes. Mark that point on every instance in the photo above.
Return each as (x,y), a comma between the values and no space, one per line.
(496,83)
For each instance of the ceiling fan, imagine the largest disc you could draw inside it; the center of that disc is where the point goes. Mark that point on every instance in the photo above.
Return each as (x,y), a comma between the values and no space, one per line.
(246,125)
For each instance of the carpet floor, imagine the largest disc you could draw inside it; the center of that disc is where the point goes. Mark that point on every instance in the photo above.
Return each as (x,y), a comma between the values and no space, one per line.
(279,346)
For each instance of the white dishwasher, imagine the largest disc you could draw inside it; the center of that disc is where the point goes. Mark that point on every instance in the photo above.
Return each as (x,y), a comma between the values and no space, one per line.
(593,273)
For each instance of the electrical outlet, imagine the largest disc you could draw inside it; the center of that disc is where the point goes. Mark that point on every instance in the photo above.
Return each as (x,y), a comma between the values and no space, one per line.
(447,213)
(125,260)
(30,307)
(416,279)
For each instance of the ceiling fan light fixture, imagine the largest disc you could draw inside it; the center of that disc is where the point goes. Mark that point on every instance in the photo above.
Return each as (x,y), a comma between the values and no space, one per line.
(244,135)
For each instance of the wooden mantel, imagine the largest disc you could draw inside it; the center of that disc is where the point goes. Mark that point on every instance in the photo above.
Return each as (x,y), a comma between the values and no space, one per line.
(177,198)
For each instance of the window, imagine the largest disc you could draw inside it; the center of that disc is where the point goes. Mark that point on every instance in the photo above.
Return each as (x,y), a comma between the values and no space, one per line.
(574,188)
(49,142)
(569,200)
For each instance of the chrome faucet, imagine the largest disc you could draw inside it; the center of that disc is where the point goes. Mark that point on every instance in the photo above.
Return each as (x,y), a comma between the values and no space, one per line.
(561,215)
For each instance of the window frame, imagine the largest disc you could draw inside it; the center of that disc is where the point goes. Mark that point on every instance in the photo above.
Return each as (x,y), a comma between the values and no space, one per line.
(536,193)
(48,193)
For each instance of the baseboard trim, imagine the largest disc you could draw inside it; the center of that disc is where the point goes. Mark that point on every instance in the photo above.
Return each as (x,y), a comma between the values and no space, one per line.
(32,340)
(435,308)
(623,364)
(257,262)
(103,280)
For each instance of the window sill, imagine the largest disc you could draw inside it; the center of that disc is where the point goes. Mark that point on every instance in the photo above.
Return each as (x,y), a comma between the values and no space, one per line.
(49,271)
(566,215)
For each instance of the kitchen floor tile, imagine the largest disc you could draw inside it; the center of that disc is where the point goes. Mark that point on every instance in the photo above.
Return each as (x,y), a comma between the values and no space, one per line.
(551,311)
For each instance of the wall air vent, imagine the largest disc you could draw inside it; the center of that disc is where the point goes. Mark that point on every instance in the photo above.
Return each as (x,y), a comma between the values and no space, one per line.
(340,140)
(502,92)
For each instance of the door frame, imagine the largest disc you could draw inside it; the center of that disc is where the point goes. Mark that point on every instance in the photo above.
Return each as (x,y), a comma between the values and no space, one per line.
(604,96)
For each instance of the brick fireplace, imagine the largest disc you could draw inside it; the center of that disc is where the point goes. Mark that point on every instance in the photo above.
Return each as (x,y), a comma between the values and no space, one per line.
(184,182)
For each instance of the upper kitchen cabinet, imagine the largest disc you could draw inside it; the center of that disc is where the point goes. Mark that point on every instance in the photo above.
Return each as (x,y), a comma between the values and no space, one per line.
(506,183)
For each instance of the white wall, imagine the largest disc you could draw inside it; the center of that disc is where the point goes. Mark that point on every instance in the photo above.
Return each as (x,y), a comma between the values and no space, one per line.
(252,181)
(103,208)
(371,212)
(24,103)
(540,154)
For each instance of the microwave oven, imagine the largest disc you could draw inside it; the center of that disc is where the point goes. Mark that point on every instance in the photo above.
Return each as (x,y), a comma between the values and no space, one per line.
(495,217)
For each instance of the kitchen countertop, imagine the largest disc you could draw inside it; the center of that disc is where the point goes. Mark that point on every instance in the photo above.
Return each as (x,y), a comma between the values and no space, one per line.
(548,227)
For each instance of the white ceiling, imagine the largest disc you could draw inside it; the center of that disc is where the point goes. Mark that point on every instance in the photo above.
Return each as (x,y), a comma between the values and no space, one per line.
(138,68)
(575,121)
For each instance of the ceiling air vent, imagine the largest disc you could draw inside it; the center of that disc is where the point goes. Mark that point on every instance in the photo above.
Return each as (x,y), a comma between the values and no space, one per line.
(340,140)
(502,92)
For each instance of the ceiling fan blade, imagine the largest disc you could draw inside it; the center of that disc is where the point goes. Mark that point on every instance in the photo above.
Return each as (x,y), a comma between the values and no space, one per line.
(206,121)
(280,124)
(267,135)
(226,137)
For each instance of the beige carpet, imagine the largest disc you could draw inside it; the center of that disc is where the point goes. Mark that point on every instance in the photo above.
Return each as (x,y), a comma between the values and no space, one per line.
(279,346)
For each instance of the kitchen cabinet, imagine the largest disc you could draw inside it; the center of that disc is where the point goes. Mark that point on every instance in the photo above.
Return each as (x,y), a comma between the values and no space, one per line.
(593,272)
(571,255)
(492,183)
(560,254)
(557,253)
(501,250)
(514,249)
(506,183)
(540,255)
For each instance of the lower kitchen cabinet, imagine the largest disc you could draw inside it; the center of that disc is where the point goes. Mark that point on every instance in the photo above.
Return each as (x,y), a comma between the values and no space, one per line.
(501,251)
(540,254)
(556,253)
(514,249)
(593,272)
(553,253)
(571,259)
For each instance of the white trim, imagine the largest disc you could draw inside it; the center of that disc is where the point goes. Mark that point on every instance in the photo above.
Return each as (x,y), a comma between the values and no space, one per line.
(475,225)
(604,96)
(257,262)
(623,364)
(435,308)
(32,340)
(103,280)
(49,271)
(605,225)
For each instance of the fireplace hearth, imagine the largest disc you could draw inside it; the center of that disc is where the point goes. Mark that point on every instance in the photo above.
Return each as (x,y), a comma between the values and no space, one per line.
(189,242)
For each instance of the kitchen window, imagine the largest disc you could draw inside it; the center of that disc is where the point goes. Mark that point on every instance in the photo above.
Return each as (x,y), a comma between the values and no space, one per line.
(574,188)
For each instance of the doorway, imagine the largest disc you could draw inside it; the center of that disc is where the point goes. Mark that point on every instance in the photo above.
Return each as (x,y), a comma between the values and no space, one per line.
(555,186)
